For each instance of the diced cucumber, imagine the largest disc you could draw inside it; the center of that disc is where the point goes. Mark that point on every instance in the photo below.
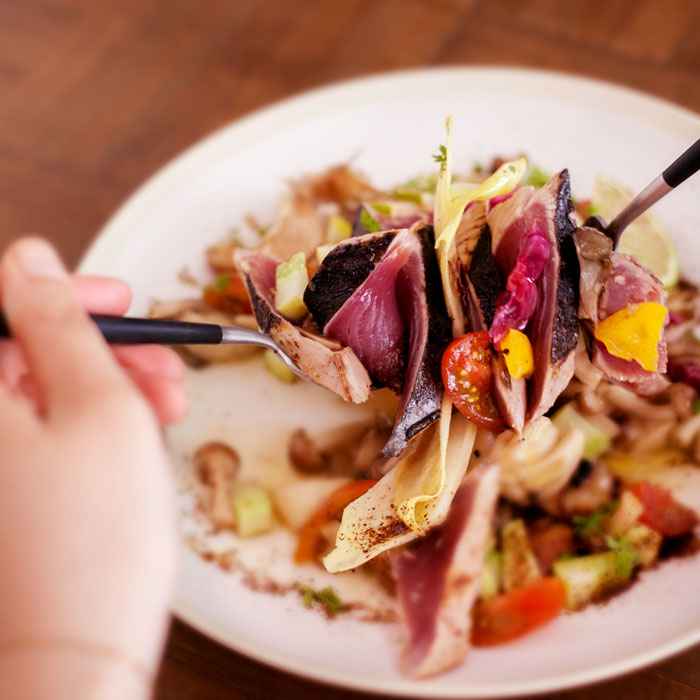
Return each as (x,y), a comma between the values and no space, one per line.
(278,368)
(646,542)
(291,280)
(491,575)
(589,577)
(520,567)
(252,509)
(595,443)
(337,229)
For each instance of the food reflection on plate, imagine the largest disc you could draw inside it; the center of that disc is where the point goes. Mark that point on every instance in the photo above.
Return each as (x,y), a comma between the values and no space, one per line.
(533,438)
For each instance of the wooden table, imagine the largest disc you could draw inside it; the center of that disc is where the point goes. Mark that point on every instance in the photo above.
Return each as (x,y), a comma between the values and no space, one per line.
(95,96)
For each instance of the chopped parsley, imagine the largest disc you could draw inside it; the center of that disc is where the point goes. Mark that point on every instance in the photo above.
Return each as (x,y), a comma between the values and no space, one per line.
(511,168)
(627,557)
(327,598)
(592,524)
(441,157)
(593,210)
(369,223)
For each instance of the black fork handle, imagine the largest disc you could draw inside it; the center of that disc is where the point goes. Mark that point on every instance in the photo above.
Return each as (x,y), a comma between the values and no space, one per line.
(683,167)
(135,331)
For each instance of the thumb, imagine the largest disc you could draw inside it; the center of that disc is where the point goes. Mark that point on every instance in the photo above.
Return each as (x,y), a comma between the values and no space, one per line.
(68,358)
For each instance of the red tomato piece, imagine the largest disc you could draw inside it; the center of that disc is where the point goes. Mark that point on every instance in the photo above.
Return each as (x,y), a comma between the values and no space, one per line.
(466,374)
(511,615)
(662,512)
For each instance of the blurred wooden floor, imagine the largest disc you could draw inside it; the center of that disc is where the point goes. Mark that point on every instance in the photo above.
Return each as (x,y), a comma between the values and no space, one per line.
(96,95)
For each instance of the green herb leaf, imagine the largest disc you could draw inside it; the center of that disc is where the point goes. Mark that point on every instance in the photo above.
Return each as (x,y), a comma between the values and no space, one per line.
(369,223)
(308,595)
(627,557)
(593,210)
(511,168)
(696,407)
(442,156)
(592,524)
(326,597)
(329,599)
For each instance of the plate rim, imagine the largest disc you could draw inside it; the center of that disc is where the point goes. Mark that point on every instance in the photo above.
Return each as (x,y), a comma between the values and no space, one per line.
(411,688)
(115,232)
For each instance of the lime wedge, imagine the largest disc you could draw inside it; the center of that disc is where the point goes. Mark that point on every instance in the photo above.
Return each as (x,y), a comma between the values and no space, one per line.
(645,238)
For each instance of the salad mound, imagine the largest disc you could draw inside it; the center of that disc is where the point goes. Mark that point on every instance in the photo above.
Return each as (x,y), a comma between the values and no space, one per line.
(543,444)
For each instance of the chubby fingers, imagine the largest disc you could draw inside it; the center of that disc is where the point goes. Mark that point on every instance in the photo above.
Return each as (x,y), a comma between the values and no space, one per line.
(68,358)
(167,397)
(151,359)
(102,295)
(158,372)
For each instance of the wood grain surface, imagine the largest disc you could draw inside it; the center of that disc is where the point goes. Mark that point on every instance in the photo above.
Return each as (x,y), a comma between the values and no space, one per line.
(97,95)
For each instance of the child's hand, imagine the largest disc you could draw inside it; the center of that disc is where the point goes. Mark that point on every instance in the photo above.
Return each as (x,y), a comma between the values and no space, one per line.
(87,533)
(156,370)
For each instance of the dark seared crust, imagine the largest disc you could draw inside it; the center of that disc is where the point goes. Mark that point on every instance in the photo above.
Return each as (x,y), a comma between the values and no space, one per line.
(486,279)
(343,270)
(565,329)
(425,398)
(267,319)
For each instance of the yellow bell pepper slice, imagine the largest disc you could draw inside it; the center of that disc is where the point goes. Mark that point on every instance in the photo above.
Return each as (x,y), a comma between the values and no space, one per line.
(633,333)
(517,352)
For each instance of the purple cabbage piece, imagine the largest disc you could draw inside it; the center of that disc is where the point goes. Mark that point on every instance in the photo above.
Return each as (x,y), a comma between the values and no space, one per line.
(517,304)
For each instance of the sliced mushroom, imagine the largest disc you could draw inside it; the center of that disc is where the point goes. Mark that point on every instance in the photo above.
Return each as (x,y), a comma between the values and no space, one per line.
(351,450)
(217,465)
(304,453)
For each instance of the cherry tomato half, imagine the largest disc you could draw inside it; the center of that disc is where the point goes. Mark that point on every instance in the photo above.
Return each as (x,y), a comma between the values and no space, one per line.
(466,373)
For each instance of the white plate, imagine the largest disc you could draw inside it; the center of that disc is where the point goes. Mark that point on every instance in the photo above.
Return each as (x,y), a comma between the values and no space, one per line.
(391,125)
